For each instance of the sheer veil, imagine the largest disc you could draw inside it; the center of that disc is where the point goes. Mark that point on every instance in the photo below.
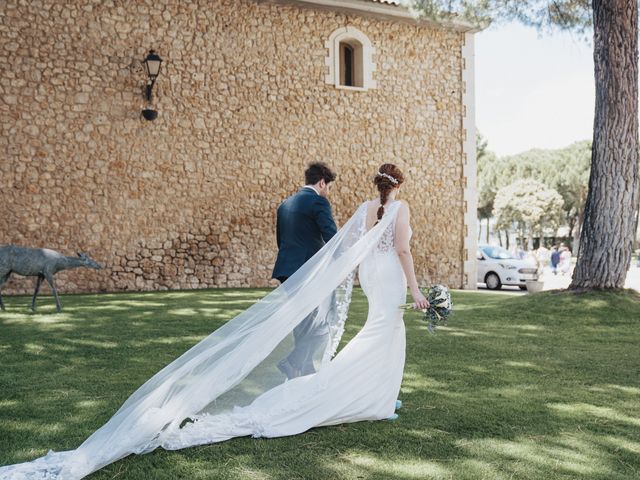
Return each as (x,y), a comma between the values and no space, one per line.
(232,366)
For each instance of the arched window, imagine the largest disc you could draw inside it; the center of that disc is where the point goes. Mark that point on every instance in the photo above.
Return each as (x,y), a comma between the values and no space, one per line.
(351,64)
(346,65)
(350,60)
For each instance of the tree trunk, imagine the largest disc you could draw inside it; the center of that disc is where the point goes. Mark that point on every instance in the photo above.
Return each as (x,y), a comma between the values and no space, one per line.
(488,219)
(572,223)
(610,215)
(576,234)
(579,222)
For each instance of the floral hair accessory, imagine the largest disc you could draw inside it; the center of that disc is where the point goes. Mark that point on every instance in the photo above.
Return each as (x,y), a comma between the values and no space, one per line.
(388,177)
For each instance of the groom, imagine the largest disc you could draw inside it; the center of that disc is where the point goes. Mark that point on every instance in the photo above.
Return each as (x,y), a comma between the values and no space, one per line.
(304,225)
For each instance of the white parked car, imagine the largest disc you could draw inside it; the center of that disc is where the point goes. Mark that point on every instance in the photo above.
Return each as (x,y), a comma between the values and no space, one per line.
(497,267)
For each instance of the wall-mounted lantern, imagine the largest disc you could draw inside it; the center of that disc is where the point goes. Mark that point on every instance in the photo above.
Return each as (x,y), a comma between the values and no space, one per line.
(152,67)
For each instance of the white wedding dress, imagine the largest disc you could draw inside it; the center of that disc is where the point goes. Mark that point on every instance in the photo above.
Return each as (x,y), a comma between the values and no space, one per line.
(228,384)
(361,383)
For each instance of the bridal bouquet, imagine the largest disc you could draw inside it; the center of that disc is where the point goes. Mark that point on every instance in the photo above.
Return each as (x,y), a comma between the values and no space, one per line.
(440,306)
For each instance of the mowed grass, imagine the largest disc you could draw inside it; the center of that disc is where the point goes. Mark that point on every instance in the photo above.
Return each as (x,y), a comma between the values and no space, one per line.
(543,386)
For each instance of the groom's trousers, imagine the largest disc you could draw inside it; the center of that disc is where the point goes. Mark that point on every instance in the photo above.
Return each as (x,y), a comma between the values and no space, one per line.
(310,337)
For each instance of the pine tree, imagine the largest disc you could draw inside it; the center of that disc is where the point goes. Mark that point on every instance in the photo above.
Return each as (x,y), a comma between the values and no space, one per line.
(611,208)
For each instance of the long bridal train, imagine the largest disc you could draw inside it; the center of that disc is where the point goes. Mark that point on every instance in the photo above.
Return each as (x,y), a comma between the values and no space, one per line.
(228,385)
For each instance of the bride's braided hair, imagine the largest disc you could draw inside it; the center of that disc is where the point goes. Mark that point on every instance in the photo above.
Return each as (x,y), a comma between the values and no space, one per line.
(388,177)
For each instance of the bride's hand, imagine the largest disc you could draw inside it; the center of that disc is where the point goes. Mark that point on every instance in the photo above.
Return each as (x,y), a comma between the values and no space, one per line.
(419,300)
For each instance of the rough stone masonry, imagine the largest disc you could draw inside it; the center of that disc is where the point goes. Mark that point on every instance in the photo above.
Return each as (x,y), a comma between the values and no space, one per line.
(189,200)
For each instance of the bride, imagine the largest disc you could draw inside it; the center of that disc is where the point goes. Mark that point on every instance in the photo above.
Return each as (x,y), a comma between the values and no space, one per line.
(228,385)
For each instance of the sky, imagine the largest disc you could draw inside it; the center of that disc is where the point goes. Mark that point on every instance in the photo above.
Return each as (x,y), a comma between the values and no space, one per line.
(532,90)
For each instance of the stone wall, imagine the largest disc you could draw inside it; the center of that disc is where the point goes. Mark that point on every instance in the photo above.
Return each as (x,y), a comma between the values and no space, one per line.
(189,200)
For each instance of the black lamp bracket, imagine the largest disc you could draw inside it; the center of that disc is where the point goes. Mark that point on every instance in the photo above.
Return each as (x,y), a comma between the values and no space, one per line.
(149,89)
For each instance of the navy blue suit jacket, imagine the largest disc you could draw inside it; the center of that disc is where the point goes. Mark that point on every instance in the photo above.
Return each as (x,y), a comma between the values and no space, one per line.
(304,225)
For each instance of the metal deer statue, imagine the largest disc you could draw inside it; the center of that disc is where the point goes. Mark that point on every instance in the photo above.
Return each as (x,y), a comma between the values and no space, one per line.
(38,262)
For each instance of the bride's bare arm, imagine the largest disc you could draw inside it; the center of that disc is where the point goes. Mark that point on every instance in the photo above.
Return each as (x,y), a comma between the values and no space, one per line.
(406,259)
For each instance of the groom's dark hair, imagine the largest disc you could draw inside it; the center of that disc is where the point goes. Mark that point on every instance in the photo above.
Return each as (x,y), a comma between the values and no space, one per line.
(317,171)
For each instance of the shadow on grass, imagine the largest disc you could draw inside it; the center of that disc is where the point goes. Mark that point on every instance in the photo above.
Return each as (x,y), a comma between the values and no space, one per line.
(540,386)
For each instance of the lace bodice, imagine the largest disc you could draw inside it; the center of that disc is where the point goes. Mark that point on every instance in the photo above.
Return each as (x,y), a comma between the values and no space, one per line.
(387,241)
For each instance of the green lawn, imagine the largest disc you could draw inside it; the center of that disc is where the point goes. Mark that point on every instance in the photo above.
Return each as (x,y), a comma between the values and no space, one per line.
(541,386)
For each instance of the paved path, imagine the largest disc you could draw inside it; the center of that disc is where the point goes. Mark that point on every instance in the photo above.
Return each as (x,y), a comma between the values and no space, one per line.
(556,282)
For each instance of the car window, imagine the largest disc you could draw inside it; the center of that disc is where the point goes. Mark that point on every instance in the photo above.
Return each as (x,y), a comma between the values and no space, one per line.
(498,253)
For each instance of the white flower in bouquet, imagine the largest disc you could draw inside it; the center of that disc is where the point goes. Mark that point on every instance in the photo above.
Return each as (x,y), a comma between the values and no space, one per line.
(440,306)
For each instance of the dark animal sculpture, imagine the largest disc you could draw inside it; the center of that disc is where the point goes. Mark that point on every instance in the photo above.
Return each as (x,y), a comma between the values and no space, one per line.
(38,262)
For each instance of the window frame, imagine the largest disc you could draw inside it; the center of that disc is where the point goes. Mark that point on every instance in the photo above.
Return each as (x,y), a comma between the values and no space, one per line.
(363,65)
